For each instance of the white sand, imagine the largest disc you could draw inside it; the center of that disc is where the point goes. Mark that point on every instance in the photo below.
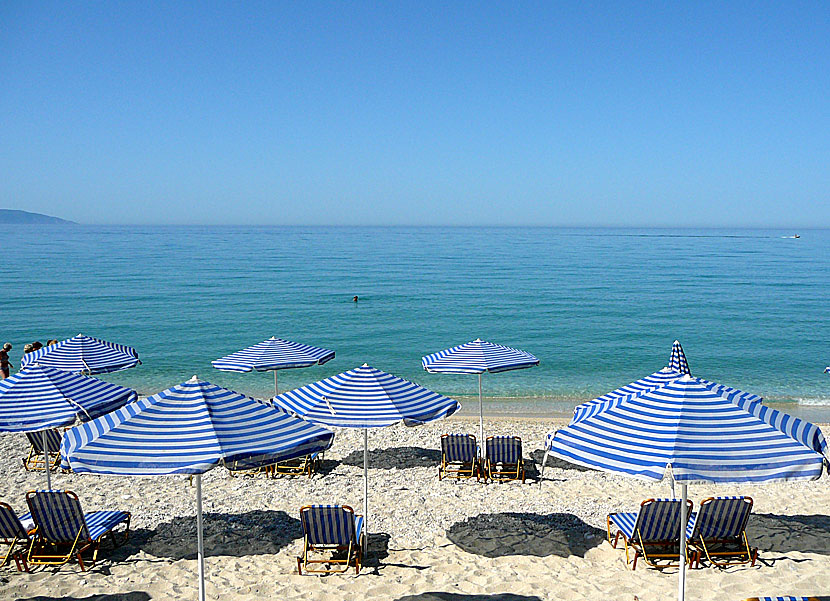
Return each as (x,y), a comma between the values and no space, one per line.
(551,546)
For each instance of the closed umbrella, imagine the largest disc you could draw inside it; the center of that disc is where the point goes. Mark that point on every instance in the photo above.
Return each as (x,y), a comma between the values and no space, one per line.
(39,397)
(701,431)
(85,355)
(190,429)
(478,357)
(365,398)
(272,355)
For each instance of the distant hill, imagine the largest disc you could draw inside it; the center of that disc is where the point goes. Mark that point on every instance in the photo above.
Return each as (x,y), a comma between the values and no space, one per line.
(8,216)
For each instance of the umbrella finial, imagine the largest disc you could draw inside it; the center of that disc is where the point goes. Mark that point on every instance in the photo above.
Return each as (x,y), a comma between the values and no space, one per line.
(677,360)
(477,340)
(365,365)
(193,380)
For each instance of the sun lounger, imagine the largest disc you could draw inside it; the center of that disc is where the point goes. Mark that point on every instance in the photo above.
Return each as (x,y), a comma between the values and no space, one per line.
(331,529)
(718,530)
(306,465)
(36,460)
(786,598)
(503,460)
(63,530)
(14,534)
(459,456)
(653,532)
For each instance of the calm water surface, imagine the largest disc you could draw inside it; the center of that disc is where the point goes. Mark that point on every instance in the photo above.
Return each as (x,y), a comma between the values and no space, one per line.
(599,307)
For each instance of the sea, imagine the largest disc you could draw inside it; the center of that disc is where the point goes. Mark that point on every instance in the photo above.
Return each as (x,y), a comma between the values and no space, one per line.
(599,307)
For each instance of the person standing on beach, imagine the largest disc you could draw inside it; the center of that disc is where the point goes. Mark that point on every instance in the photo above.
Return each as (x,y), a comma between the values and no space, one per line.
(27,348)
(5,365)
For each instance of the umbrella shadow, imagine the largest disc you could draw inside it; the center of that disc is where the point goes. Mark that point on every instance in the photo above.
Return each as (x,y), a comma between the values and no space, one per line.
(260,532)
(396,458)
(134,596)
(790,533)
(500,534)
(440,596)
(539,455)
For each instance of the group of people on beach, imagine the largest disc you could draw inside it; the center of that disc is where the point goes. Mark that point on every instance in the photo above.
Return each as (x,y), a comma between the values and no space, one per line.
(5,364)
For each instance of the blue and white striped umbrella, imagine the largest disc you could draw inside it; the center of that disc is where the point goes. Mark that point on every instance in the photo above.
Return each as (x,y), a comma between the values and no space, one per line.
(478,357)
(827,369)
(40,397)
(677,367)
(366,397)
(274,354)
(84,354)
(701,431)
(189,429)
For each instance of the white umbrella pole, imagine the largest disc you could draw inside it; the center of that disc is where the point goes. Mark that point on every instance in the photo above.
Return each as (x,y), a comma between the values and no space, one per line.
(46,459)
(480,419)
(681,578)
(276,388)
(365,490)
(200,537)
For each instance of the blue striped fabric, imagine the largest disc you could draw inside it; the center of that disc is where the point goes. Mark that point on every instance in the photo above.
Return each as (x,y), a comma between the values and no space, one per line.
(677,359)
(459,447)
(188,429)
(53,440)
(331,525)
(59,517)
(658,521)
(84,354)
(504,449)
(678,366)
(274,353)
(11,526)
(827,369)
(365,397)
(720,518)
(41,397)
(477,357)
(786,598)
(703,435)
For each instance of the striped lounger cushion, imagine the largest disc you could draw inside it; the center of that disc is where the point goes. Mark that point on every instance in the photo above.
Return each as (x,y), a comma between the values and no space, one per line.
(459,447)
(331,525)
(657,521)
(504,449)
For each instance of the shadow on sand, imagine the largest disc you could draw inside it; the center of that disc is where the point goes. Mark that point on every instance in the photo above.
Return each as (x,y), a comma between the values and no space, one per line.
(461,597)
(396,458)
(136,596)
(789,533)
(253,533)
(554,462)
(500,534)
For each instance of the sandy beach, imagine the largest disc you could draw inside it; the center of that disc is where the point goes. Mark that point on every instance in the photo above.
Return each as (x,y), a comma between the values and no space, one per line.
(429,539)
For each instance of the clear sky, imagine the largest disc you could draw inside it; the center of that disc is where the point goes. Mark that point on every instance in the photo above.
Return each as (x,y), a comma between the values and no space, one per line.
(556,113)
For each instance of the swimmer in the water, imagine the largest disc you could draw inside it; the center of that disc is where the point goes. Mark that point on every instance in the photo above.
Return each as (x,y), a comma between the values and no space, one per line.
(355,298)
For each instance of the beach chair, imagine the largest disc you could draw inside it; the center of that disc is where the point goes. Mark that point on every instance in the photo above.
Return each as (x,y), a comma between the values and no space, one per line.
(653,532)
(459,457)
(503,460)
(15,535)
(785,598)
(306,465)
(333,529)
(36,460)
(63,531)
(719,531)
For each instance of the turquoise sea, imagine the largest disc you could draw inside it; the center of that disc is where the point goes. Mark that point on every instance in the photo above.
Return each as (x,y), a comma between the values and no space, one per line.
(599,307)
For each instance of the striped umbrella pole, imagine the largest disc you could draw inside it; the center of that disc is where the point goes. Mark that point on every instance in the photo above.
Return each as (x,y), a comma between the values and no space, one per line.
(481,419)
(276,387)
(365,490)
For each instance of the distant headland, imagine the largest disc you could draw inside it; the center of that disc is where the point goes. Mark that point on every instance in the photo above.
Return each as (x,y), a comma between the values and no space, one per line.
(13,216)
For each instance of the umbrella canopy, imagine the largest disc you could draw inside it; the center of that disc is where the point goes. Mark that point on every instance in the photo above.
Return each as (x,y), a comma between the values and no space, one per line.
(40,397)
(702,431)
(84,354)
(478,357)
(366,397)
(677,367)
(274,354)
(189,429)
(703,435)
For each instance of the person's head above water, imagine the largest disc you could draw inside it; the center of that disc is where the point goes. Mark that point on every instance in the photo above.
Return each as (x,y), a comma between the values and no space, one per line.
(7,346)
(355,298)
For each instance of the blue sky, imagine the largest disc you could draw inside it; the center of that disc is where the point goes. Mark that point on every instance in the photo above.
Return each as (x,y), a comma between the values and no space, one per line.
(629,113)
